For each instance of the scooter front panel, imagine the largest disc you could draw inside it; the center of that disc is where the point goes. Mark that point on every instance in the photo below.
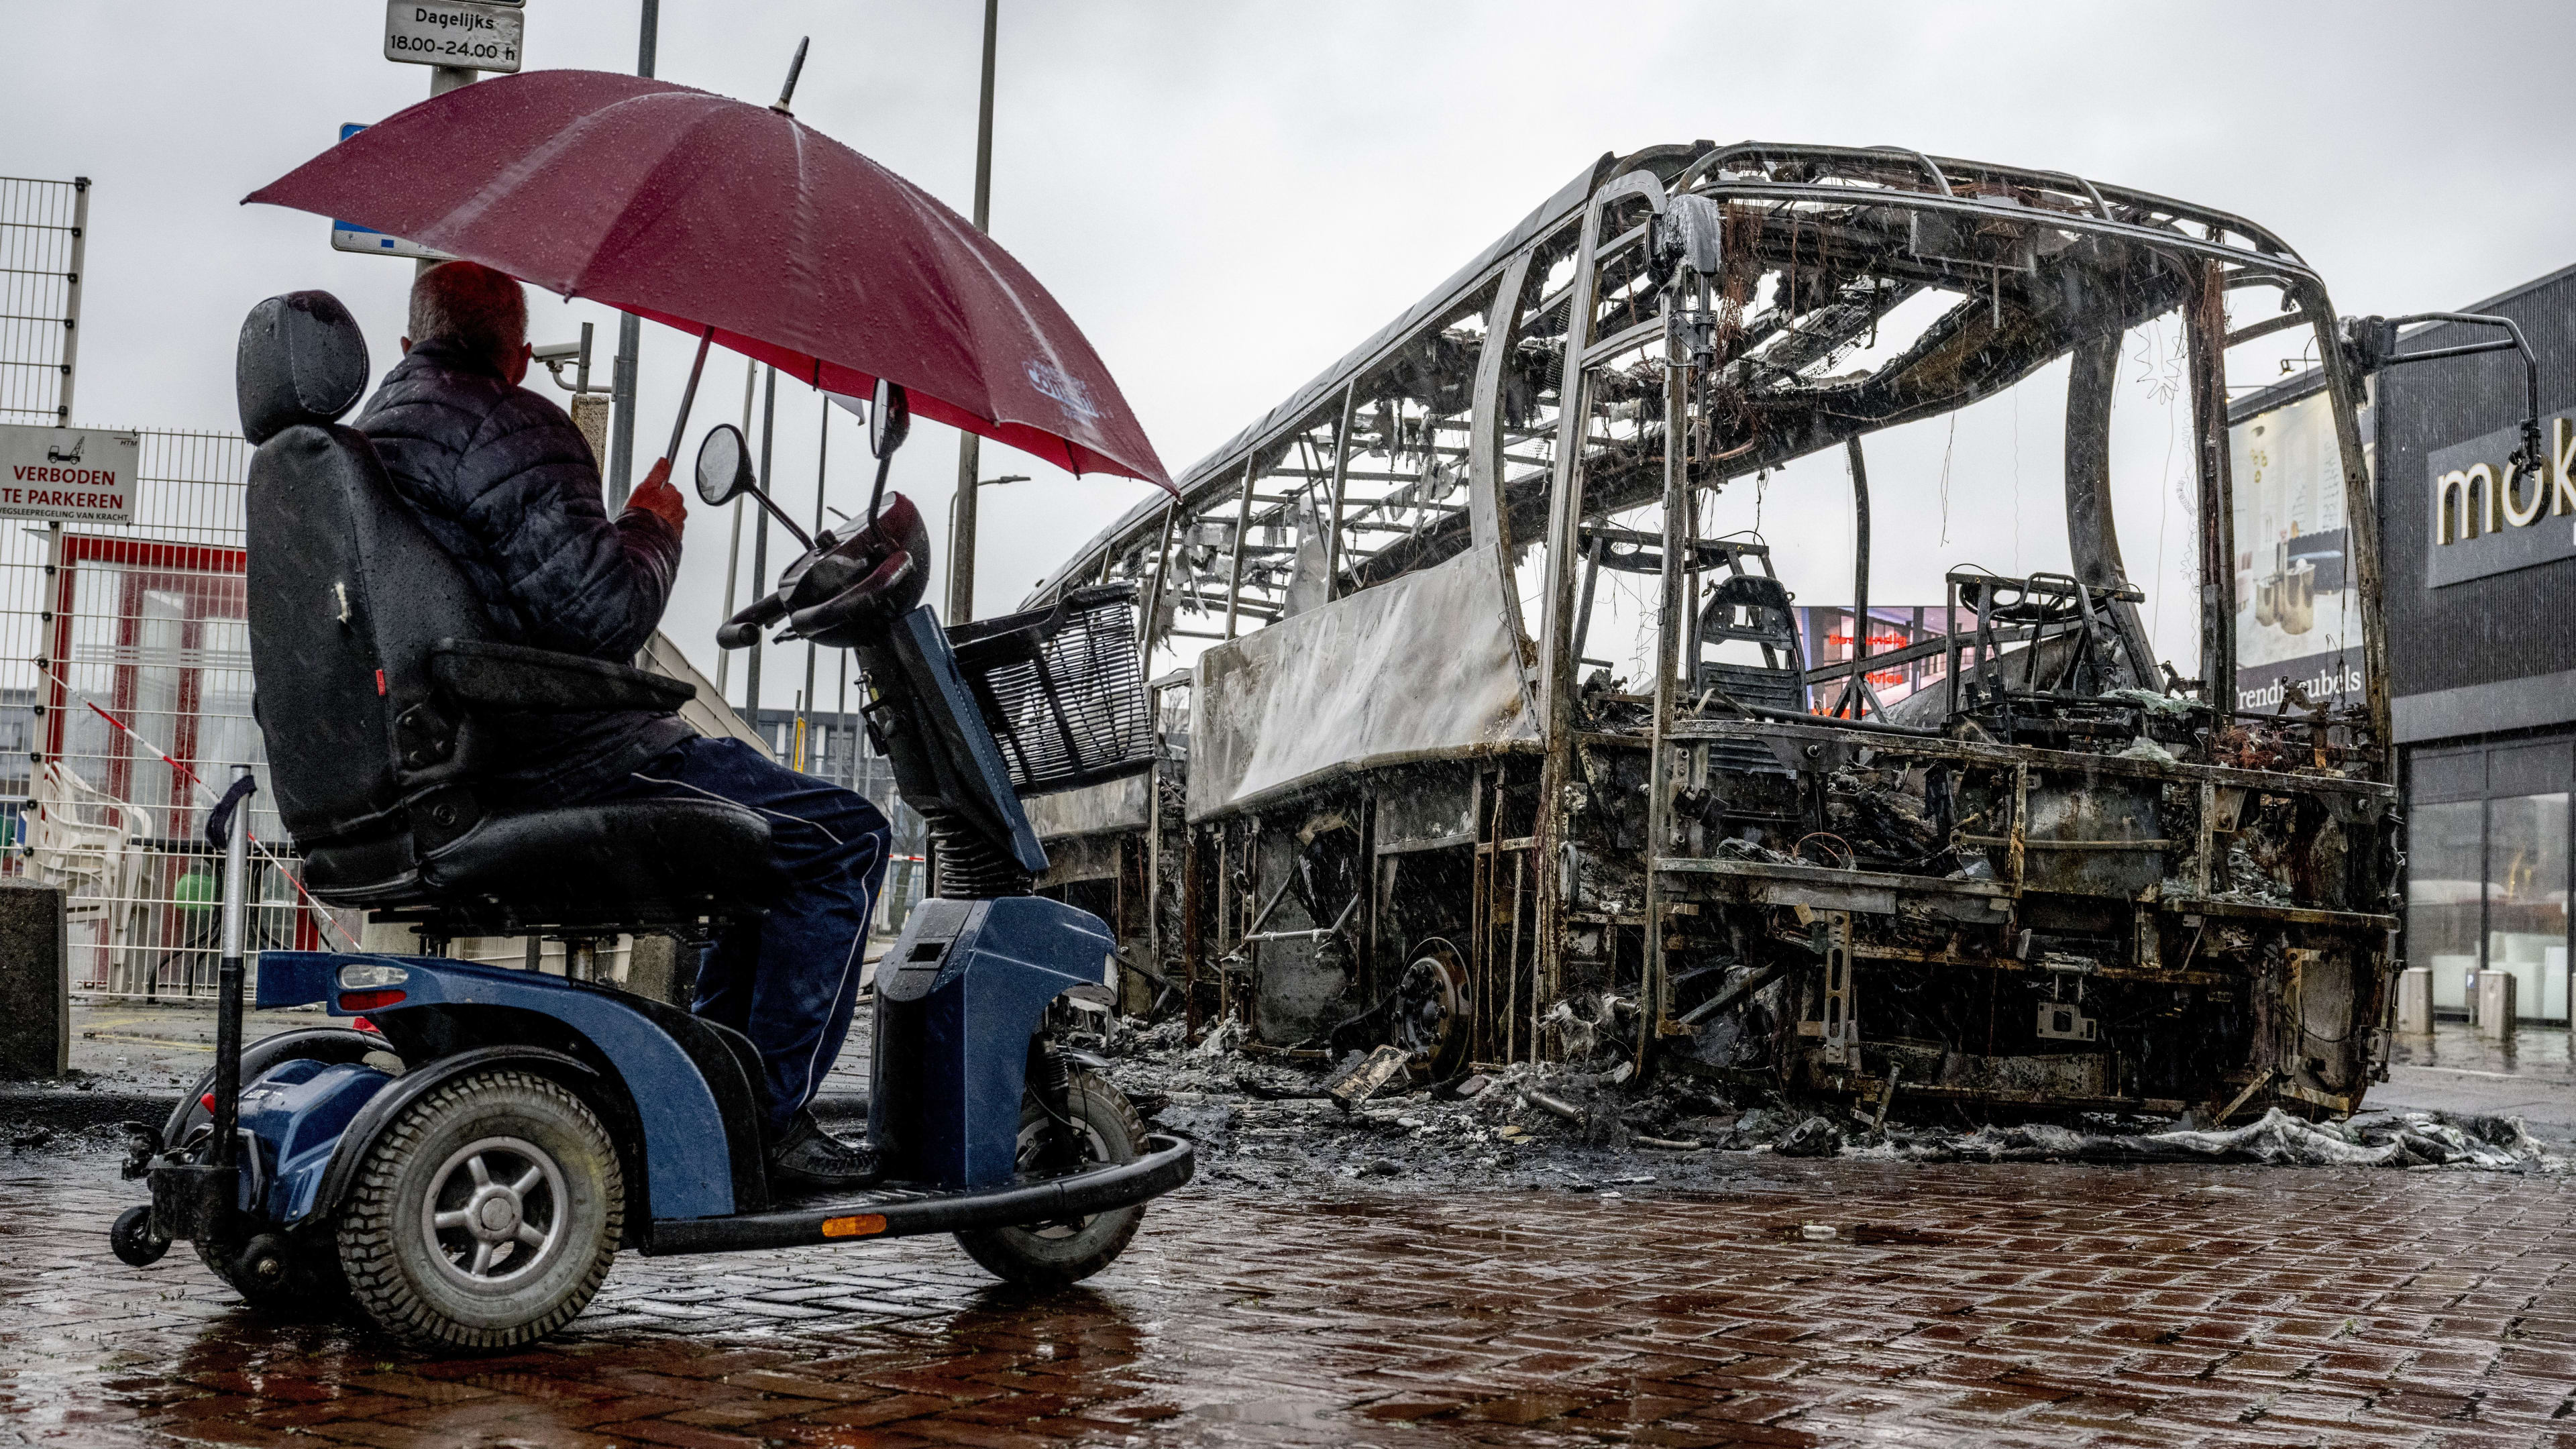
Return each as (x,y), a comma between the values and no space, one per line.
(958,997)
(294,1115)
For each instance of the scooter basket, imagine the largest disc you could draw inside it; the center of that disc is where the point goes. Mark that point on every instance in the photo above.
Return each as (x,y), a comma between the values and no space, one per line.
(1061,690)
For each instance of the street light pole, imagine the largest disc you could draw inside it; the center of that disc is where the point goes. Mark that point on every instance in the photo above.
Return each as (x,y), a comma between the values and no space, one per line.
(961,516)
(822,464)
(442,79)
(630,332)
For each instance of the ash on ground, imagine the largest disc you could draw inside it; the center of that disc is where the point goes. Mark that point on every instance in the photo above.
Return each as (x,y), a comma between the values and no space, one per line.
(1262,1118)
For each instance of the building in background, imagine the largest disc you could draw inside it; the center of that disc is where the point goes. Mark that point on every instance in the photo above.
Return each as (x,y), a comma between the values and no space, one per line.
(1894,629)
(2481,590)
(836,747)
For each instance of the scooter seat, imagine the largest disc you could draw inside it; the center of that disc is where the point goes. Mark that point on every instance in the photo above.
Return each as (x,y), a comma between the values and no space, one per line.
(648,862)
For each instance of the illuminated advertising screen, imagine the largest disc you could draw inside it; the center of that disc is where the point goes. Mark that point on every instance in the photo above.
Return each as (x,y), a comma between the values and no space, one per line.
(2298,609)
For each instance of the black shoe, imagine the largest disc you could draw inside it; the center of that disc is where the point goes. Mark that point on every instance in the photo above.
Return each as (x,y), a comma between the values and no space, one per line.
(808,1156)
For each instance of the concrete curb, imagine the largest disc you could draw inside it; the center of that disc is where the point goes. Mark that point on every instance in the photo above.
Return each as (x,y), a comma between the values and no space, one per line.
(28,1105)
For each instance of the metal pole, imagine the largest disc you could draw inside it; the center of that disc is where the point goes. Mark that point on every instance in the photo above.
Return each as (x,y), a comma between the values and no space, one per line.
(1234,573)
(733,548)
(621,398)
(2346,393)
(2205,327)
(1559,646)
(1668,631)
(630,332)
(822,457)
(1583,606)
(442,79)
(1342,445)
(961,532)
(228,977)
(760,544)
(1154,595)
(961,516)
(72,298)
(1855,686)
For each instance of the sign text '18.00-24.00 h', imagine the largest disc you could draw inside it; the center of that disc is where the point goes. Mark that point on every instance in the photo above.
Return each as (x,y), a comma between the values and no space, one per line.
(470,34)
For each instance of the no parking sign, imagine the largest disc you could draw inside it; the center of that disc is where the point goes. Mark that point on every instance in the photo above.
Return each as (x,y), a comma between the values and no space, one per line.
(79,474)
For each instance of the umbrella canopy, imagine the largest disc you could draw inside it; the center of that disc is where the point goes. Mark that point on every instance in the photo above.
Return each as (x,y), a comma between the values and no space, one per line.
(709,213)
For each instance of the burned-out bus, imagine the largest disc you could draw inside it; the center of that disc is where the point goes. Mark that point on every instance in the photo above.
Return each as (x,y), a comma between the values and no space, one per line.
(1407,796)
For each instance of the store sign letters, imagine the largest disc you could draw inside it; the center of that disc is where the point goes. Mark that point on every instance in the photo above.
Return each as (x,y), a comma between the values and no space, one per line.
(2487,519)
(77,474)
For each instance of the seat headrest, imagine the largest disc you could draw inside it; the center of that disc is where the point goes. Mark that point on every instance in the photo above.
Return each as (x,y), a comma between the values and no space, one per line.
(302,359)
(1750,589)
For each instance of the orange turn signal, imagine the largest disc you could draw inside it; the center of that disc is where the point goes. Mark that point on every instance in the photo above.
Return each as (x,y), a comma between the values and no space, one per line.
(864,1225)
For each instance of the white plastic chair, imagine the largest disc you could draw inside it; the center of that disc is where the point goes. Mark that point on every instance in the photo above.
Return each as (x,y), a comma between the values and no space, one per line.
(96,860)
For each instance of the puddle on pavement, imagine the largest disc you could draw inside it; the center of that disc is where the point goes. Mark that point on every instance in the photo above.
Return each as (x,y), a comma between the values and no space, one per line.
(1308,1412)
(1870,1234)
(1866,1235)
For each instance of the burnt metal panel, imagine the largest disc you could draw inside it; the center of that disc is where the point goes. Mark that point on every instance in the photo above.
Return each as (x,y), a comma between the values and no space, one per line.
(1095,809)
(1355,687)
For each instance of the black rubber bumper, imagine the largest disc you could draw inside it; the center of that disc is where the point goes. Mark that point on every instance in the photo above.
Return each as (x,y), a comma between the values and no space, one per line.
(900,1213)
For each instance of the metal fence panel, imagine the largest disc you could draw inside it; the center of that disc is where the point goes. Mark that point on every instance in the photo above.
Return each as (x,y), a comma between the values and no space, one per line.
(40,250)
(125,697)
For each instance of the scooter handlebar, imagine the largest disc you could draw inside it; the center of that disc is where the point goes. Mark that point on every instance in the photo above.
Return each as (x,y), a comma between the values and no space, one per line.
(843,591)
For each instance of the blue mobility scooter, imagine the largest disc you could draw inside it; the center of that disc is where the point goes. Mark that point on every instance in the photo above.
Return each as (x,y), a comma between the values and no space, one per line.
(465,1171)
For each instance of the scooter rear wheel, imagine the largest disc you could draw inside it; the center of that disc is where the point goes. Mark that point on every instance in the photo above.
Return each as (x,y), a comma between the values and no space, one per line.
(485,1216)
(1050,1255)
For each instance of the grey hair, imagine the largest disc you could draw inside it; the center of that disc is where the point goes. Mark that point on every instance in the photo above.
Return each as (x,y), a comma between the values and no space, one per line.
(472,305)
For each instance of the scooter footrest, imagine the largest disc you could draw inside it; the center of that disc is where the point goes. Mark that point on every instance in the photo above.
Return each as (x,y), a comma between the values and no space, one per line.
(900,1211)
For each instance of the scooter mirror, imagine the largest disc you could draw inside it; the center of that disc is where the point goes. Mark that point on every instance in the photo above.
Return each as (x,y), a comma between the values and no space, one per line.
(724,466)
(889,418)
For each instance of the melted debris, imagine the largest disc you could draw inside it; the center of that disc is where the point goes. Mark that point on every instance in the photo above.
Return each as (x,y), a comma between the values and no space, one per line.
(1264,1120)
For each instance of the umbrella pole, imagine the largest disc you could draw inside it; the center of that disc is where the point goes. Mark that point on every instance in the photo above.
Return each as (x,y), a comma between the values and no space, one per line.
(688,398)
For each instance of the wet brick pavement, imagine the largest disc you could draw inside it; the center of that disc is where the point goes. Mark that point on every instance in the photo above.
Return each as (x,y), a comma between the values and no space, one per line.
(1957,1305)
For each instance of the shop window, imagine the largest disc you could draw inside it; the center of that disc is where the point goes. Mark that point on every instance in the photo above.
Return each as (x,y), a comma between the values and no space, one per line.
(2487,876)
(2526,889)
(2444,871)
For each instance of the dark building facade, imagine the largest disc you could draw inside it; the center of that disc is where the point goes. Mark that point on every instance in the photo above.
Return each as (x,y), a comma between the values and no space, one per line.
(2481,603)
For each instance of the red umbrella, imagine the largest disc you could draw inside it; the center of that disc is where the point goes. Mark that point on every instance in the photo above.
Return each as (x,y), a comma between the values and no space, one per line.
(738,223)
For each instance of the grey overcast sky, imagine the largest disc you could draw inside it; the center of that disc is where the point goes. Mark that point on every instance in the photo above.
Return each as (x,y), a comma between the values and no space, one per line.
(1228,197)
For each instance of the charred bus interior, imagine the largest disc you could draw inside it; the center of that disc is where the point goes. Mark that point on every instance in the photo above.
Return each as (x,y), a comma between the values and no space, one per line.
(1413,791)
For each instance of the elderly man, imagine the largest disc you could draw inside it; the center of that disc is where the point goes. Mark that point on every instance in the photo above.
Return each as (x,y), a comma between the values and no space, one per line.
(507,485)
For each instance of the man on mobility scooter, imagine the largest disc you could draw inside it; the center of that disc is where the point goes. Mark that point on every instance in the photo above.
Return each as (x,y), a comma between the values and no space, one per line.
(508,488)
(466,1173)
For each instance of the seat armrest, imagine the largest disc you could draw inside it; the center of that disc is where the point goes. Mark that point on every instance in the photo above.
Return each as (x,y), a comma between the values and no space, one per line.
(514,677)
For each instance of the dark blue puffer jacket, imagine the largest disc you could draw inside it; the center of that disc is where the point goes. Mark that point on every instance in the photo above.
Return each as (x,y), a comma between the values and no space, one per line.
(506,483)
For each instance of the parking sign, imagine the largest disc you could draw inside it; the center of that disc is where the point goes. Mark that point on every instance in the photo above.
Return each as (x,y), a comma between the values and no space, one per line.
(348,236)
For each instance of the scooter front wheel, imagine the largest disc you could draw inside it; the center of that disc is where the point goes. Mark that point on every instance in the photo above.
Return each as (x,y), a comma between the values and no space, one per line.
(485,1216)
(1050,1255)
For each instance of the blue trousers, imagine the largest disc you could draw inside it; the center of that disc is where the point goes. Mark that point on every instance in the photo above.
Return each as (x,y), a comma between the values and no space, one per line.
(790,980)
